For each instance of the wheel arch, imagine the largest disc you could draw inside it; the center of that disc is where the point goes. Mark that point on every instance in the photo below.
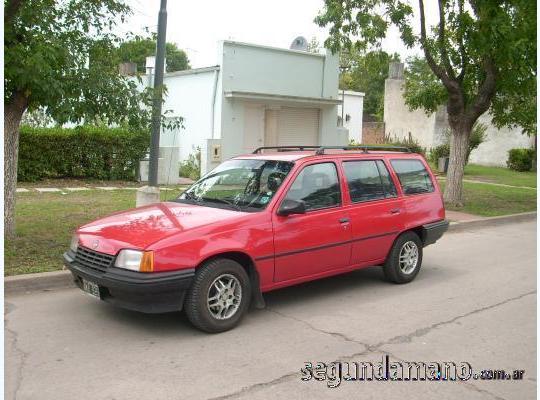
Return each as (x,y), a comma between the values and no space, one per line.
(418,230)
(249,266)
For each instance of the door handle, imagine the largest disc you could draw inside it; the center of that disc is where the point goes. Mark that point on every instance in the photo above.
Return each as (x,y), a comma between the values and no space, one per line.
(395,211)
(344,220)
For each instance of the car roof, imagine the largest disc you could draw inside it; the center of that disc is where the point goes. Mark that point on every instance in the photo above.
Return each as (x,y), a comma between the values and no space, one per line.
(310,154)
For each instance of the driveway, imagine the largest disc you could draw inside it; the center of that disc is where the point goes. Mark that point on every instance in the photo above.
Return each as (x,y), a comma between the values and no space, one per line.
(473,301)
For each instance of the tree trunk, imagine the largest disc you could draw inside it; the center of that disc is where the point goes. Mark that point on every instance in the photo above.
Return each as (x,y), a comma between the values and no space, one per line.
(13,112)
(459,145)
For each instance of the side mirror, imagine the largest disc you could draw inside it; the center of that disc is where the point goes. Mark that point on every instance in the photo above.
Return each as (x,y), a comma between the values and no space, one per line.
(289,207)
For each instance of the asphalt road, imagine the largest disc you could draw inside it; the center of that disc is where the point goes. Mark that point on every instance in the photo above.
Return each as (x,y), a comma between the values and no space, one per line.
(473,301)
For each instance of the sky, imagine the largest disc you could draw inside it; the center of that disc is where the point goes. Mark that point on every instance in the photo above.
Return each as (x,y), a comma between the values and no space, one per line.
(197,26)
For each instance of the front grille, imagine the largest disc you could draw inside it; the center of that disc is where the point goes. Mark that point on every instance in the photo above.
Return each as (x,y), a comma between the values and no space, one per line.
(92,259)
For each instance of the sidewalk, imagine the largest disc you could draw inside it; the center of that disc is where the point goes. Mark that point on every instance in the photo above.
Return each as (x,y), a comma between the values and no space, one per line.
(443,178)
(458,216)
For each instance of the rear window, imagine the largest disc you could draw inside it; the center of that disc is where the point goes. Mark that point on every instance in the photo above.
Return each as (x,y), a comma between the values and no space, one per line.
(368,180)
(413,176)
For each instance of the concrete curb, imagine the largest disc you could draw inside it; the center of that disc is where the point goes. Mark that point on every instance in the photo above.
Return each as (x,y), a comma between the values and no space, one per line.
(63,279)
(40,281)
(491,221)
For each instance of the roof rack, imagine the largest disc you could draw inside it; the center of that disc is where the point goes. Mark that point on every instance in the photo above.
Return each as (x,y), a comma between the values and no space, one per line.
(365,148)
(319,150)
(286,148)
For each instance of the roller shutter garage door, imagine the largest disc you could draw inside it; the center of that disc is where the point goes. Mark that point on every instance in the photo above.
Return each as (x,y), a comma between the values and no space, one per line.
(298,126)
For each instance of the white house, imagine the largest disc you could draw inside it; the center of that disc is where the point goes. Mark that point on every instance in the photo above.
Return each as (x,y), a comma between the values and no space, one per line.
(256,96)
(350,113)
(429,130)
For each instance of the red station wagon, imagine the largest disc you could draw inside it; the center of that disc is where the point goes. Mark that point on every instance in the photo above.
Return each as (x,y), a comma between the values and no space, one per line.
(259,222)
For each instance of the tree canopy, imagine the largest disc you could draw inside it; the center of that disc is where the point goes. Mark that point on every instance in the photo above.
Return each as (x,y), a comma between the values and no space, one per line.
(482,53)
(137,49)
(422,88)
(57,57)
(367,73)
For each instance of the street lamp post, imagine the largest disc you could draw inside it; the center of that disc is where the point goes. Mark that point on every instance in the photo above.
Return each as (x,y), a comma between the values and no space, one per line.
(150,194)
(158,94)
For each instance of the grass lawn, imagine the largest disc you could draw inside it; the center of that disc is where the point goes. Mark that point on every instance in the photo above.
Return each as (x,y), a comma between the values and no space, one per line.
(491,200)
(46,221)
(500,175)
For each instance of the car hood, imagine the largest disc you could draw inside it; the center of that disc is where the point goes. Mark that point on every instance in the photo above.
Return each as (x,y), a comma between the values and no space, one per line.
(143,226)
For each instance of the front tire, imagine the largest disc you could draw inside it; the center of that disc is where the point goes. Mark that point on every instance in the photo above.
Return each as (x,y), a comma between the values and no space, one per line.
(405,259)
(219,296)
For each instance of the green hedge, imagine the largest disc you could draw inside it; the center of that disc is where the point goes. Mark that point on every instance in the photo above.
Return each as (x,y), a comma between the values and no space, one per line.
(521,159)
(443,150)
(81,152)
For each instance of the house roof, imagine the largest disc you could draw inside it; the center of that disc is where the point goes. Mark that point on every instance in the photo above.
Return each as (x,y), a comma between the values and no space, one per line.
(192,71)
(353,93)
(278,97)
(272,48)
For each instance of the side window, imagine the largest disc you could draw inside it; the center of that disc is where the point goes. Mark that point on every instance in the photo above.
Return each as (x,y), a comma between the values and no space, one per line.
(363,180)
(413,176)
(368,180)
(318,186)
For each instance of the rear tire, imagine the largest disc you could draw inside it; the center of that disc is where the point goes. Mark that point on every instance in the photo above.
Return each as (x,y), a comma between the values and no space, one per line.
(219,296)
(405,259)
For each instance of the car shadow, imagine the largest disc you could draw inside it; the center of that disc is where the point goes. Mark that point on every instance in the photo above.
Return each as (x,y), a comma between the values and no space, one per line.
(369,279)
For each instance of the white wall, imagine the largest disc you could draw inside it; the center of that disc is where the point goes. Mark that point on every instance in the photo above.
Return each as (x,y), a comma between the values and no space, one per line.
(189,96)
(353,108)
(494,151)
(399,120)
(271,70)
(430,130)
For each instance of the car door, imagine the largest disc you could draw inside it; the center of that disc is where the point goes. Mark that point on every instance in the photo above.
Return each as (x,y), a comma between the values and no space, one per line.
(374,207)
(318,240)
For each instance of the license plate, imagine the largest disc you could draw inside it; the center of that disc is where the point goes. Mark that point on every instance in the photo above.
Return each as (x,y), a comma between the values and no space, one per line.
(91,288)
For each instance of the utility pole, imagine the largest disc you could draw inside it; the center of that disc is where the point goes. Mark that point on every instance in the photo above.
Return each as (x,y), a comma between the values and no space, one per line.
(158,94)
(150,194)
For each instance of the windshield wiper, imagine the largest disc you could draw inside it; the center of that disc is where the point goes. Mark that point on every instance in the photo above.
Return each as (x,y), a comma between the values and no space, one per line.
(223,201)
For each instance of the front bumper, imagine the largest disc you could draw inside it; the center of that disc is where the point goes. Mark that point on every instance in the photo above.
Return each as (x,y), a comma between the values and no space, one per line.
(434,231)
(155,292)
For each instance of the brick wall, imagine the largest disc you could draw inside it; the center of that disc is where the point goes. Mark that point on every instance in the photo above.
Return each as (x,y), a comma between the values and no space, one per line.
(373,133)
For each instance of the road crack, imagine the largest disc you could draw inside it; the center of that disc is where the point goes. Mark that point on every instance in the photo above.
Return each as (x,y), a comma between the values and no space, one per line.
(338,335)
(424,331)
(471,386)
(370,348)
(22,356)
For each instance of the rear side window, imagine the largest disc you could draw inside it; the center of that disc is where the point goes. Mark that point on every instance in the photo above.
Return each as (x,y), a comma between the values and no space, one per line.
(318,186)
(368,180)
(413,176)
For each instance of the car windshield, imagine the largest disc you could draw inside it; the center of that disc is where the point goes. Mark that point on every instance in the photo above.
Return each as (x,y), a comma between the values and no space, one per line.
(243,185)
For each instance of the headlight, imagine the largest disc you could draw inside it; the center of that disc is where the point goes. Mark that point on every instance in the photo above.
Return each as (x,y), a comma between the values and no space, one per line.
(74,243)
(135,260)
